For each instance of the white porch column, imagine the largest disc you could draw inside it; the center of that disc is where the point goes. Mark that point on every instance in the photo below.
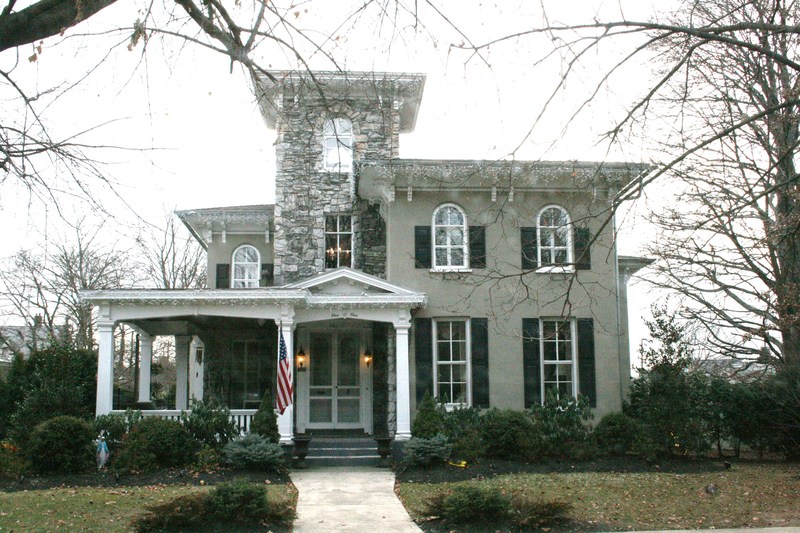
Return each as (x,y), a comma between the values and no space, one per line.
(182,371)
(145,362)
(286,420)
(196,368)
(105,368)
(403,380)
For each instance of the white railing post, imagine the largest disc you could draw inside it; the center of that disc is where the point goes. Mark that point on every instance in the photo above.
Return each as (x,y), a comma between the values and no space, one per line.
(403,392)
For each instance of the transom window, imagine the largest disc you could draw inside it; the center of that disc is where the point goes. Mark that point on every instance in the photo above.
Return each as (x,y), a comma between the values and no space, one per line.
(554,235)
(449,238)
(338,241)
(246,267)
(337,147)
(451,366)
(558,358)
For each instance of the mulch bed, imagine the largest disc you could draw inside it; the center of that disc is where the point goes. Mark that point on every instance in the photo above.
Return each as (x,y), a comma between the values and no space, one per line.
(161,477)
(488,468)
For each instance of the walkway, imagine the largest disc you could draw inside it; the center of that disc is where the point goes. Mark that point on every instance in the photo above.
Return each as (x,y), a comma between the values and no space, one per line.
(357,499)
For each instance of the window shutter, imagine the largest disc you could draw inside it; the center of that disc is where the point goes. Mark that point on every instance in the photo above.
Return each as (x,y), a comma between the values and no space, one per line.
(479,332)
(477,247)
(422,246)
(223,276)
(586,360)
(583,256)
(530,361)
(267,273)
(528,246)
(423,356)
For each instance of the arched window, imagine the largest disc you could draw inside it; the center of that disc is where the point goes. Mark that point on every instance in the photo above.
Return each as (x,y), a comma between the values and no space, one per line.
(337,146)
(554,237)
(246,267)
(449,238)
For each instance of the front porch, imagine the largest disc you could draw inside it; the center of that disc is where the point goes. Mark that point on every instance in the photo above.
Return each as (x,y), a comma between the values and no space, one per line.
(346,337)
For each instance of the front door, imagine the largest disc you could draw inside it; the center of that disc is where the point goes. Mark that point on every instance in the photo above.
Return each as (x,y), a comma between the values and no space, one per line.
(335,380)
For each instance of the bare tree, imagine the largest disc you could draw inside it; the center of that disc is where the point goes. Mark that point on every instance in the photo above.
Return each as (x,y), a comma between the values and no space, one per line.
(172,259)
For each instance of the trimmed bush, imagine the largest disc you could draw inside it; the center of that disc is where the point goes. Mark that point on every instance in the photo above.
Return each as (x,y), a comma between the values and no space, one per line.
(187,511)
(115,427)
(209,423)
(470,504)
(510,434)
(238,501)
(155,443)
(615,434)
(427,452)
(462,427)
(529,511)
(428,422)
(256,452)
(12,461)
(562,424)
(63,444)
(265,422)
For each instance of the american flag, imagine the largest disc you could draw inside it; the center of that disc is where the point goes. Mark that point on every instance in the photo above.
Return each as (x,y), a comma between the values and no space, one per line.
(284,377)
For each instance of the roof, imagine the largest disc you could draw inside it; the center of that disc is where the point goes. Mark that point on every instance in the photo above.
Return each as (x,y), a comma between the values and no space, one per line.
(202,223)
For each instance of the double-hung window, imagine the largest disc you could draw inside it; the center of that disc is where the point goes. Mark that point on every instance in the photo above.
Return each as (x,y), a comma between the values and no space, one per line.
(554,239)
(450,250)
(246,267)
(338,241)
(558,350)
(452,361)
(337,140)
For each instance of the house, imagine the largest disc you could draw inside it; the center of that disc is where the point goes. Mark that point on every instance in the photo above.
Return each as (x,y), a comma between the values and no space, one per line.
(487,283)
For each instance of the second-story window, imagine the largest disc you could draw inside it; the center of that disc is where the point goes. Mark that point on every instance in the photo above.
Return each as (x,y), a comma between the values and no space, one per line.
(337,147)
(338,241)
(449,238)
(246,267)
(554,238)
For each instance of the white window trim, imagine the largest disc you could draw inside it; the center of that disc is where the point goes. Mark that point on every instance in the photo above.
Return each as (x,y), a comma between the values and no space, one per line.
(573,332)
(233,267)
(465,246)
(468,333)
(339,165)
(555,268)
(352,234)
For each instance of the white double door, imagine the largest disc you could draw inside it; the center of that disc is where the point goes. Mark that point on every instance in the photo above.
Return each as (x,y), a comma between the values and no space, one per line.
(337,380)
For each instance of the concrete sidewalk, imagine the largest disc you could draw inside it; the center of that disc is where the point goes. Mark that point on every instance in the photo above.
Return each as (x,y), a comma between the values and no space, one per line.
(357,499)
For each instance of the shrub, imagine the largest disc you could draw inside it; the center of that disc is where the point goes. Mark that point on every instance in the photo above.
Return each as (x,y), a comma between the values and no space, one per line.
(469,504)
(12,461)
(428,422)
(115,427)
(63,444)
(510,434)
(155,443)
(427,452)
(265,422)
(561,423)
(462,427)
(255,451)
(238,501)
(209,423)
(616,433)
(528,511)
(208,459)
(187,511)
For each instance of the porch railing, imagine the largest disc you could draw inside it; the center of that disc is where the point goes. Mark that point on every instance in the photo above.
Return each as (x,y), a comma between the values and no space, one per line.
(241,417)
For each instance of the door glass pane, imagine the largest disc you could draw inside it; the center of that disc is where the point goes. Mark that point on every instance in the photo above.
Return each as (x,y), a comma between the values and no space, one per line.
(320,360)
(348,411)
(321,411)
(348,368)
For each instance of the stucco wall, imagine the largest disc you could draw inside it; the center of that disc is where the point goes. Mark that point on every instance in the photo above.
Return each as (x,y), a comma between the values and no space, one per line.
(222,252)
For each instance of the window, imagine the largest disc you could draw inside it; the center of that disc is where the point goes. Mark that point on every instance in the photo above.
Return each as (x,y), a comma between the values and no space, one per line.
(451,362)
(251,373)
(338,241)
(246,267)
(558,358)
(450,238)
(337,146)
(554,237)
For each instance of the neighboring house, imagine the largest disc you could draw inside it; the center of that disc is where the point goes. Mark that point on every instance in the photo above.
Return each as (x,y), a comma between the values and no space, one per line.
(487,283)
(22,340)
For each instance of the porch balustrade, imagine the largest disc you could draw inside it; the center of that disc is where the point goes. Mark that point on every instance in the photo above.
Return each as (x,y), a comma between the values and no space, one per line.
(241,417)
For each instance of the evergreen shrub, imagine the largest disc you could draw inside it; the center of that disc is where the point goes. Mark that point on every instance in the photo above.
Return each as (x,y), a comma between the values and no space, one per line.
(427,451)
(63,444)
(155,443)
(265,421)
(428,422)
(255,452)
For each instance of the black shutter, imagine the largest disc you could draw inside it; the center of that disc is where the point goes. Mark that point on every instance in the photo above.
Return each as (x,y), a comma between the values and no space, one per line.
(423,356)
(583,256)
(528,246)
(422,247)
(480,362)
(477,247)
(586,360)
(223,276)
(530,361)
(267,273)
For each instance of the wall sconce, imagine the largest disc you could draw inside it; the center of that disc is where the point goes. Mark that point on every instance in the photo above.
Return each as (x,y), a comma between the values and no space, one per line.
(301,360)
(367,358)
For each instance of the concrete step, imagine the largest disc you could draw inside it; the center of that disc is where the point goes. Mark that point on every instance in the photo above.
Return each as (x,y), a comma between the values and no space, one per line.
(331,451)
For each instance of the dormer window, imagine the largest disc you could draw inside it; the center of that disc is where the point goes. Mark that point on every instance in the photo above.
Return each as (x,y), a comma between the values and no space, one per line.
(246,267)
(338,241)
(337,147)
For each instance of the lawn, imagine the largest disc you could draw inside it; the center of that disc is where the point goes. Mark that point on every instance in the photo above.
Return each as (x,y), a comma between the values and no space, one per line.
(749,495)
(93,508)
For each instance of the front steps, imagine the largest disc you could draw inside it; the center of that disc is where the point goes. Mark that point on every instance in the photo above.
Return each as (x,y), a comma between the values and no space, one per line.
(342,451)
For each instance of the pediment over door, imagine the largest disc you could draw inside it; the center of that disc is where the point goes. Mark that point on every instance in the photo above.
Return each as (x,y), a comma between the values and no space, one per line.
(346,282)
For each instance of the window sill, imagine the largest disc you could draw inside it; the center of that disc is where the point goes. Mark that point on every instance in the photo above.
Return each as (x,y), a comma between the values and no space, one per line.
(450,270)
(555,270)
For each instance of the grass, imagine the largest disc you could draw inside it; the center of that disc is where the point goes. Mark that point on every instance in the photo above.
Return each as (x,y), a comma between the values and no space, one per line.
(96,509)
(750,495)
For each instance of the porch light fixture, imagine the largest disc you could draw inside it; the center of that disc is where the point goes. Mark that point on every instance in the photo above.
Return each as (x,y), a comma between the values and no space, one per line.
(301,360)
(367,358)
